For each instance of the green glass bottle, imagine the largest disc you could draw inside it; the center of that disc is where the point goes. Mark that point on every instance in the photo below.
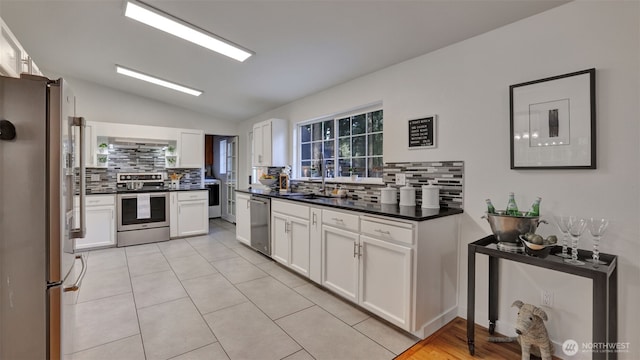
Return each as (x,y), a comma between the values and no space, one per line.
(535,208)
(490,208)
(512,208)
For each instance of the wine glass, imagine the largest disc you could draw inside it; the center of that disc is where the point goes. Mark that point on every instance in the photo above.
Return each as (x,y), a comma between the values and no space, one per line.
(597,226)
(562,222)
(576,228)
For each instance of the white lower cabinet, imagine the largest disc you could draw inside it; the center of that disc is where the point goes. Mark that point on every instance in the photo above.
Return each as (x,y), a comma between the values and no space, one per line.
(374,273)
(193,213)
(188,213)
(243,218)
(100,222)
(340,261)
(290,235)
(385,279)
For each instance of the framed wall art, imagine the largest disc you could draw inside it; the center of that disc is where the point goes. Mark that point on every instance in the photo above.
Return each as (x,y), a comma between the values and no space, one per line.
(553,122)
(422,133)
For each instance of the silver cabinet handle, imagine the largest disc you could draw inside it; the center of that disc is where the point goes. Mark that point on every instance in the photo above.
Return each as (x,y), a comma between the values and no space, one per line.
(258,202)
(76,285)
(337,220)
(82,231)
(314,219)
(355,247)
(383,231)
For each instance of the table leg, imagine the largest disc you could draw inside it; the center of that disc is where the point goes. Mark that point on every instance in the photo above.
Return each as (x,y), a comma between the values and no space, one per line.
(613,310)
(493,293)
(471,298)
(600,295)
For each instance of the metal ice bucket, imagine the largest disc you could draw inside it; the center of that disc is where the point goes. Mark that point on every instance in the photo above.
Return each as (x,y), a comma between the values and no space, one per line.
(508,228)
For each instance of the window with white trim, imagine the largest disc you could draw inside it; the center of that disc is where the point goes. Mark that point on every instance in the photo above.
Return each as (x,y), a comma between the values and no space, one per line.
(346,145)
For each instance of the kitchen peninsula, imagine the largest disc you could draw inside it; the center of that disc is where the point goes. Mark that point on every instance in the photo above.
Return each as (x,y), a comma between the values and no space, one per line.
(399,263)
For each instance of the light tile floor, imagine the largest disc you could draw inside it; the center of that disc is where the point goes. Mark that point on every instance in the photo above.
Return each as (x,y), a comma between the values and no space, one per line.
(210,297)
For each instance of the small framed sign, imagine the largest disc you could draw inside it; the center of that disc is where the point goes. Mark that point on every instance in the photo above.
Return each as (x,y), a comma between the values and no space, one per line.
(422,133)
(283,183)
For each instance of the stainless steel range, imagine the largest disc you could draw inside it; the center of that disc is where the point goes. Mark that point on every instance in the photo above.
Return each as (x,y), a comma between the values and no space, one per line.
(143,208)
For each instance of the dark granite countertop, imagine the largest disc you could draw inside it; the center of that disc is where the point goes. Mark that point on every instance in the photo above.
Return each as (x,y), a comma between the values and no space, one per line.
(413,213)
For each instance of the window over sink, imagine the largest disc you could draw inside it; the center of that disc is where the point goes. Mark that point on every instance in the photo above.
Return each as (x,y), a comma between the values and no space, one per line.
(341,146)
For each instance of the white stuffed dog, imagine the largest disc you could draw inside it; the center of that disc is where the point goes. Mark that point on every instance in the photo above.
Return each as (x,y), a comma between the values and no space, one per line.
(532,334)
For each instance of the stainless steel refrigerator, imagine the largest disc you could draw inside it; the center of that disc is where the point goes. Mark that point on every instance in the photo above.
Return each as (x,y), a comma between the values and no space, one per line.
(41,169)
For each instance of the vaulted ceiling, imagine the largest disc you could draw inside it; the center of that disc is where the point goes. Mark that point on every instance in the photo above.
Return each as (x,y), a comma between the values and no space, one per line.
(301,47)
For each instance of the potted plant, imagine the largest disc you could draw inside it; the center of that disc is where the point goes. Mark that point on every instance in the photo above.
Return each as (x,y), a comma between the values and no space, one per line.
(171,150)
(171,161)
(102,159)
(352,173)
(103,148)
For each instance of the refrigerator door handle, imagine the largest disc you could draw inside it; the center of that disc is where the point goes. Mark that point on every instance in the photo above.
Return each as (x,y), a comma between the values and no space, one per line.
(82,230)
(76,285)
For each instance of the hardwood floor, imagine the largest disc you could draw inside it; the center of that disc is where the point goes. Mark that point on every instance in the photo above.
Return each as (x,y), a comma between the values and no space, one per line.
(450,343)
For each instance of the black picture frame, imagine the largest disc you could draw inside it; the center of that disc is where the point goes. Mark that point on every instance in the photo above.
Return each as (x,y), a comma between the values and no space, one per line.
(422,132)
(553,122)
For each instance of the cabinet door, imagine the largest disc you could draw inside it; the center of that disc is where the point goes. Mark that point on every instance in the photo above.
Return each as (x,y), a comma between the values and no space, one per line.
(339,264)
(385,280)
(191,149)
(10,53)
(280,238)
(266,144)
(299,245)
(193,217)
(173,214)
(243,221)
(315,247)
(257,145)
(101,228)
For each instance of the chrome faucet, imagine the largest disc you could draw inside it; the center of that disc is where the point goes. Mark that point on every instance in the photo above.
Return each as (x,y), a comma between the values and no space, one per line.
(322,170)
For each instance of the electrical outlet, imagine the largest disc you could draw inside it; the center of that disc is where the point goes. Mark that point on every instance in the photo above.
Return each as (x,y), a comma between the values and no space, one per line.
(95,177)
(187,176)
(547,298)
(401,179)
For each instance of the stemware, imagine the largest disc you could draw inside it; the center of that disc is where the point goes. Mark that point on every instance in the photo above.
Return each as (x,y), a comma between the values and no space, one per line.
(597,226)
(562,222)
(576,228)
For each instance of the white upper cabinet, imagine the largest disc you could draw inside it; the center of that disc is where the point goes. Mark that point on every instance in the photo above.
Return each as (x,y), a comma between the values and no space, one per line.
(14,60)
(270,143)
(191,148)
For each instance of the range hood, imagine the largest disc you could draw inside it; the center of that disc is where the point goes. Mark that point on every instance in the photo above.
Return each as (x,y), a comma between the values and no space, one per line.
(136,143)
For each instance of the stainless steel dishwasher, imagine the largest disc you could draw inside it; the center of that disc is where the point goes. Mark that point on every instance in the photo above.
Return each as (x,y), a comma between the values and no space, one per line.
(260,212)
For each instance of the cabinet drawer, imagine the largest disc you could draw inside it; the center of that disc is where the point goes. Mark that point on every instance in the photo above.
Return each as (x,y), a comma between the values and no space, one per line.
(400,232)
(289,208)
(340,219)
(95,200)
(192,195)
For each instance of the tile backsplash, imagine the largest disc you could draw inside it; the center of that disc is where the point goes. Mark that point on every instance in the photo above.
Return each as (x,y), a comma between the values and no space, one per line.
(136,158)
(448,175)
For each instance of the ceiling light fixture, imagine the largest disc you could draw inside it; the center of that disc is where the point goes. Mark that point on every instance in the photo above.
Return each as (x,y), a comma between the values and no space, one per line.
(184,30)
(154,80)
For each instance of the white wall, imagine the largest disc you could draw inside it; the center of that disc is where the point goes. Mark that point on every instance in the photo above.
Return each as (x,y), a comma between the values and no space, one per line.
(467,85)
(100,103)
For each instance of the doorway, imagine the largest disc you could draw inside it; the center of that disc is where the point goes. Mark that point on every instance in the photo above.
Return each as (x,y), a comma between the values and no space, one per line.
(222,150)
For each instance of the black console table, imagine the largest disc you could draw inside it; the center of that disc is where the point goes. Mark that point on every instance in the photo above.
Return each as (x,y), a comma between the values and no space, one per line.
(605,288)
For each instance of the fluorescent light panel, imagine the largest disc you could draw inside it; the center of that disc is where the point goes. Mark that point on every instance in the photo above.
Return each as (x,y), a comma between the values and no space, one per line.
(174,26)
(154,80)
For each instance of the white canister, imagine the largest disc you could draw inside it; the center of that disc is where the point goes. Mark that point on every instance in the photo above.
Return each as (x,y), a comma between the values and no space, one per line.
(407,196)
(388,195)
(430,196)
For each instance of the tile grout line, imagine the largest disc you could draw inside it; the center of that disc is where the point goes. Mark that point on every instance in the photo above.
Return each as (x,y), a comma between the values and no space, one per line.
(135,306)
